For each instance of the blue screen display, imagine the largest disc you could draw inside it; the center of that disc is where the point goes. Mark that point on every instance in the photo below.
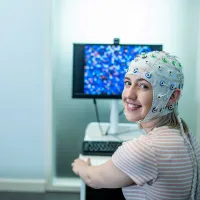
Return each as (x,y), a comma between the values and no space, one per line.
(105,67)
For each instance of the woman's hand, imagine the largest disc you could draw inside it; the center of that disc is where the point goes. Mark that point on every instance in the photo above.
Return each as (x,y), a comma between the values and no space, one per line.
(79,166)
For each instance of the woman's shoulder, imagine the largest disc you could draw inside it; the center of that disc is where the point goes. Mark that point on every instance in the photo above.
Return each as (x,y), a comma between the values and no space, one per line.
(165,131)
(165,134)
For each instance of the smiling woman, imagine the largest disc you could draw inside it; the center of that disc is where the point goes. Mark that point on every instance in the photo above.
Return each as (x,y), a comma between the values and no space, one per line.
(164,163)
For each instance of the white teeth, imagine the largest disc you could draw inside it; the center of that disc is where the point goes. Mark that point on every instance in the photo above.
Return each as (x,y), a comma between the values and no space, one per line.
(132,105)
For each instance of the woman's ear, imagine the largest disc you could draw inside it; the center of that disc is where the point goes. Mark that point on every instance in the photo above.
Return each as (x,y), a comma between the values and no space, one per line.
(174,97)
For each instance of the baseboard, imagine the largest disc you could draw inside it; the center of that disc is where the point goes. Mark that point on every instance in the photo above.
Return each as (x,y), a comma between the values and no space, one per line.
(22,185)
(64,185)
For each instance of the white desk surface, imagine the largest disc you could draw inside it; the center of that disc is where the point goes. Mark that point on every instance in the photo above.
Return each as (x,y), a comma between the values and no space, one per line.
(128,131)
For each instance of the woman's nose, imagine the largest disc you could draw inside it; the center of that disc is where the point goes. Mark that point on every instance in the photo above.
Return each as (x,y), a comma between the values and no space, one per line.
(130,93)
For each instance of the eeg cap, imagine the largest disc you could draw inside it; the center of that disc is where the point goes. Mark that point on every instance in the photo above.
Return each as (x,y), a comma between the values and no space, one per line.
(164,72)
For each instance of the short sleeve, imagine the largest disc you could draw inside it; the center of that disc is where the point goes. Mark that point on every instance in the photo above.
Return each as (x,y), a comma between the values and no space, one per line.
(137,159)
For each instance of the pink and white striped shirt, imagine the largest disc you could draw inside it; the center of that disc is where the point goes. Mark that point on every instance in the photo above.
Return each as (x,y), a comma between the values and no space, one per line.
(160,164)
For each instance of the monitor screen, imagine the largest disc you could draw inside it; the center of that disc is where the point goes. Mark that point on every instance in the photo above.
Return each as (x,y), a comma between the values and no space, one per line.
(99,69)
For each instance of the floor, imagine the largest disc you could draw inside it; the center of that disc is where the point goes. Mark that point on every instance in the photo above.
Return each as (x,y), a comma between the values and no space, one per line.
(39,196)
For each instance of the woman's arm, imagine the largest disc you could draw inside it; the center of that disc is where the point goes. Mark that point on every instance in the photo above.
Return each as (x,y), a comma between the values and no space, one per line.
(102,176)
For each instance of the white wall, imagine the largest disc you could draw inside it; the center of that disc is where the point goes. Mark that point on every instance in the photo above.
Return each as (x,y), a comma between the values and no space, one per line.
(198,71)
(23,46)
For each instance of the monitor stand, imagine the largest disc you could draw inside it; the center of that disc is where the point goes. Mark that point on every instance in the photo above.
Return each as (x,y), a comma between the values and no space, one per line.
(114,117)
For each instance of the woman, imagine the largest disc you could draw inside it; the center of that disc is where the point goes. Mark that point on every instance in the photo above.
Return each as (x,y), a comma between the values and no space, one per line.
(164,163)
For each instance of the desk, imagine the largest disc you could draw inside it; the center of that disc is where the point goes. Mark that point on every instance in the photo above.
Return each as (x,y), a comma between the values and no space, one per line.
(93,133)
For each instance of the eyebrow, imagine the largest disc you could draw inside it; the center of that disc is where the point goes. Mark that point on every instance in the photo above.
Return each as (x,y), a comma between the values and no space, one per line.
(142,79)
(138,80)
(127,78)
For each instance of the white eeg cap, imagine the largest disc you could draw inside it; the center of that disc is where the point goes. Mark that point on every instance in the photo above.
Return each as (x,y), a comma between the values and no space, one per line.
(164,72)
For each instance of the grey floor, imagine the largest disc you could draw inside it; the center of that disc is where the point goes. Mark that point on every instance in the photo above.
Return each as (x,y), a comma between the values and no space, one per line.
(39,196)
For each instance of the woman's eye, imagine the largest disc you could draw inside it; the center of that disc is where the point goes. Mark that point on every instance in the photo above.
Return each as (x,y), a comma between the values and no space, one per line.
(127,83)
(144,86)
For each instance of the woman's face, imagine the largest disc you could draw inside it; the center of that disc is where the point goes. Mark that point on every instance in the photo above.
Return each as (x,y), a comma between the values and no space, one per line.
(137,97)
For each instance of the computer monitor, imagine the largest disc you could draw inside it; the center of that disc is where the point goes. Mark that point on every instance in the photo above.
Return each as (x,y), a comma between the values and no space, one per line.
(99,69)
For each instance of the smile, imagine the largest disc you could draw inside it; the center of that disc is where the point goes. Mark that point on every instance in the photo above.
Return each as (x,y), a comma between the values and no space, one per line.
(132,107)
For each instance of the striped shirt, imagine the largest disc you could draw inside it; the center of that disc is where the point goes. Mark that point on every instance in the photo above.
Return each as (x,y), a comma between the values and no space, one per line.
(160,164)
